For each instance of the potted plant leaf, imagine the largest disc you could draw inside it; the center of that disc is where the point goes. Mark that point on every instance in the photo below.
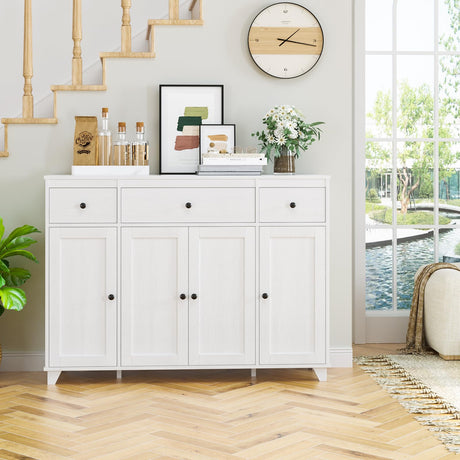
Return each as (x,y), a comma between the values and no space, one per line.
(12,297)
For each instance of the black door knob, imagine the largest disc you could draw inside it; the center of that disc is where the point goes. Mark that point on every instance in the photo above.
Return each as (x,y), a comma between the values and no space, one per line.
(264,295)
(111,296)
(82,205)
(183,296)
(188,205)
(292,205)
(194,296)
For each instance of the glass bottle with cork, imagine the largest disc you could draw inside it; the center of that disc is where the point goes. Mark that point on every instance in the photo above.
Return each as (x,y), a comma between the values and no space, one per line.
(104,140)
(121,155)
(140,149)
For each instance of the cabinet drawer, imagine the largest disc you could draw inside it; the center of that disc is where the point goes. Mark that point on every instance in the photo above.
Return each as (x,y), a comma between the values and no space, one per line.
(295,204)
(188,205)
(83,205)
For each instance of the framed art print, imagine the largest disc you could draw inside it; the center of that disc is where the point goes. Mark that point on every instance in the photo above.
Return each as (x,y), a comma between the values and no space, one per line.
(217,139)
(183,109)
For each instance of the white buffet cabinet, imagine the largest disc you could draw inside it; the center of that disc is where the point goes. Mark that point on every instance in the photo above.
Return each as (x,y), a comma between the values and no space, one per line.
(186,272)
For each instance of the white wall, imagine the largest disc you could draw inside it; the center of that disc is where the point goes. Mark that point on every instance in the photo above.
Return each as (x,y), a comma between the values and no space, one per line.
(214,53)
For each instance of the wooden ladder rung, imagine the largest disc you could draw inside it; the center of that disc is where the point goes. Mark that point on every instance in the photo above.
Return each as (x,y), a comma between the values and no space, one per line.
(172,22)
(29,121)
(78,88)
(136,54)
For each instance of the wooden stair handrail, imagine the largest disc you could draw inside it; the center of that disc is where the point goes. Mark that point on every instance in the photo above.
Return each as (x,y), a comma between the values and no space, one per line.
(77,67)
(28,71)
(126,27)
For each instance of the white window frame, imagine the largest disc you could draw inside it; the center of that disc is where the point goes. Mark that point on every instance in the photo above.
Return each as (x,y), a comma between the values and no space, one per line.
(385,326)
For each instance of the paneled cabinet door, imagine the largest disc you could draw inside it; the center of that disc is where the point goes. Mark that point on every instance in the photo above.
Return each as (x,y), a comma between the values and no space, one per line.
(154,304)
(82,297)
(292,295)
(222,295)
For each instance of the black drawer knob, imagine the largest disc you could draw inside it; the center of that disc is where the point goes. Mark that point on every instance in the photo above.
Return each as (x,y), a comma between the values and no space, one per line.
(183,296)
(292,205)
(188,205)
(194,296)
(111,296)
(264,295)
(82,205)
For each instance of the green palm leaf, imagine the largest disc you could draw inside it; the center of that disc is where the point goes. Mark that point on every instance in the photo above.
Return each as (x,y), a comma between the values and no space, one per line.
(20,231)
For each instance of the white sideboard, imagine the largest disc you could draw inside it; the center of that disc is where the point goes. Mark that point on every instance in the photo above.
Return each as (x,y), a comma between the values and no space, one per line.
(187,272)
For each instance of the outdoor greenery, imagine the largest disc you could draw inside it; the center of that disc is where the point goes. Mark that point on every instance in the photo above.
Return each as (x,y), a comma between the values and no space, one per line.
(385,216)
(11,296)
(415,119)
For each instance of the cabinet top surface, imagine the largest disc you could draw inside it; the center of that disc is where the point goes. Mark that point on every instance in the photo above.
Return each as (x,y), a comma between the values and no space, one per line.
(192,177)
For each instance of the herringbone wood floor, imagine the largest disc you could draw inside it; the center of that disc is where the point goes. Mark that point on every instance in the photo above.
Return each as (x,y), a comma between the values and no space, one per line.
(283,414)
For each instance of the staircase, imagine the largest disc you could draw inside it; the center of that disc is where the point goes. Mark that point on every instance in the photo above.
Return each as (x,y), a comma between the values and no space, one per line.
(196,18)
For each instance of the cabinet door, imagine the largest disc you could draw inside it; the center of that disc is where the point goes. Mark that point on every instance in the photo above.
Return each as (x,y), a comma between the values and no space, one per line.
(82,281)
(293,316)
(153,316)
(222,276)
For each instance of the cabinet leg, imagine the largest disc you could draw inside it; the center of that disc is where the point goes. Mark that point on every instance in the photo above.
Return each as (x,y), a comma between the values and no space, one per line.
(321,373)
(52,377)
(119,375)
(253,373)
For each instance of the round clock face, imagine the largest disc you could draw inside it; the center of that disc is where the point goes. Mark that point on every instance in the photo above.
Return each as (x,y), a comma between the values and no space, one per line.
(285,40)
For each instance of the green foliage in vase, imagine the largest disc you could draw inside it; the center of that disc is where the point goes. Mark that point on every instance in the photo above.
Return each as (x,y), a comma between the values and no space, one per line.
(286,129)
(13,245)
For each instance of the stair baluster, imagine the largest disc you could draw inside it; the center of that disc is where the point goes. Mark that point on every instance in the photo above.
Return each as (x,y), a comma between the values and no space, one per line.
(126,27)
(28,72)
(77,71)
(174,9)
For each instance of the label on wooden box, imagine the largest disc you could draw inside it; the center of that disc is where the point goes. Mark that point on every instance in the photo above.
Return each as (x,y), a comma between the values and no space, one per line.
(85,141)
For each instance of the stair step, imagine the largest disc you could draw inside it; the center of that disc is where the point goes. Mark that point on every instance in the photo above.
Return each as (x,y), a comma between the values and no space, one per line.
(29,121)
(138,55)
(78,88)
(172,22)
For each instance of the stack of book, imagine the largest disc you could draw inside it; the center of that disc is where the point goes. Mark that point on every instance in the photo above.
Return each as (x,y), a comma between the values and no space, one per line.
(228,164)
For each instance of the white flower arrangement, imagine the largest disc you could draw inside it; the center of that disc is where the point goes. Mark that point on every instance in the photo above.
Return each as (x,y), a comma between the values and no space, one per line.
(286,129)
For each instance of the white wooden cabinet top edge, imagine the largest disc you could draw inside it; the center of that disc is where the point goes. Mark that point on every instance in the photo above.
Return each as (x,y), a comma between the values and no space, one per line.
(269,180)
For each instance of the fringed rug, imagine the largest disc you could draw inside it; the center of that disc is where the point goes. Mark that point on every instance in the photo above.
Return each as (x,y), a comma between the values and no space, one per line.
(426,386)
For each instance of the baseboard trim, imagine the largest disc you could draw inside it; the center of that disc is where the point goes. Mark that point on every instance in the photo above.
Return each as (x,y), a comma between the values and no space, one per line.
(35,362)
(341,357)
(22,362)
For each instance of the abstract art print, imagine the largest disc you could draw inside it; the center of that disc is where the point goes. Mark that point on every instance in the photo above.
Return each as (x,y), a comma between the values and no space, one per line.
(216,139)
(183,109)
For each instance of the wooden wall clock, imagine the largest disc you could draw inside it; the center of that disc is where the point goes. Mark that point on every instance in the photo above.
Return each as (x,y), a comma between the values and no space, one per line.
(285,40)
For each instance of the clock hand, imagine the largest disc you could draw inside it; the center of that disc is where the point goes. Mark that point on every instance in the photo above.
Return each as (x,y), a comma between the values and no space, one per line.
(285,40)
(292,41)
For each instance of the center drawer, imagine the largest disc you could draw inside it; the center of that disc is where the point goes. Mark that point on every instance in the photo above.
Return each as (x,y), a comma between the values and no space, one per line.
(214,204)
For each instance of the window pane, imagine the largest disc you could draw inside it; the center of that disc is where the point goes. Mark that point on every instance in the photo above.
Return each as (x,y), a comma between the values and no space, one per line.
(415,25)
(379,25)
(414,249)
(449,245)
(415,183)
(379,119)
(449,22)
(415,96)
(449,96)
(379,269)
(378,183)
(449,183)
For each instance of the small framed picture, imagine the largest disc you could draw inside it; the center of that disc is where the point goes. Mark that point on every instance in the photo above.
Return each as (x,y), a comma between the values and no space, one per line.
(215,139)
(183,109)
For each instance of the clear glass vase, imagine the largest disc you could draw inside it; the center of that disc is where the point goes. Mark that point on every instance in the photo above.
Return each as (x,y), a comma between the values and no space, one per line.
(285,163)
